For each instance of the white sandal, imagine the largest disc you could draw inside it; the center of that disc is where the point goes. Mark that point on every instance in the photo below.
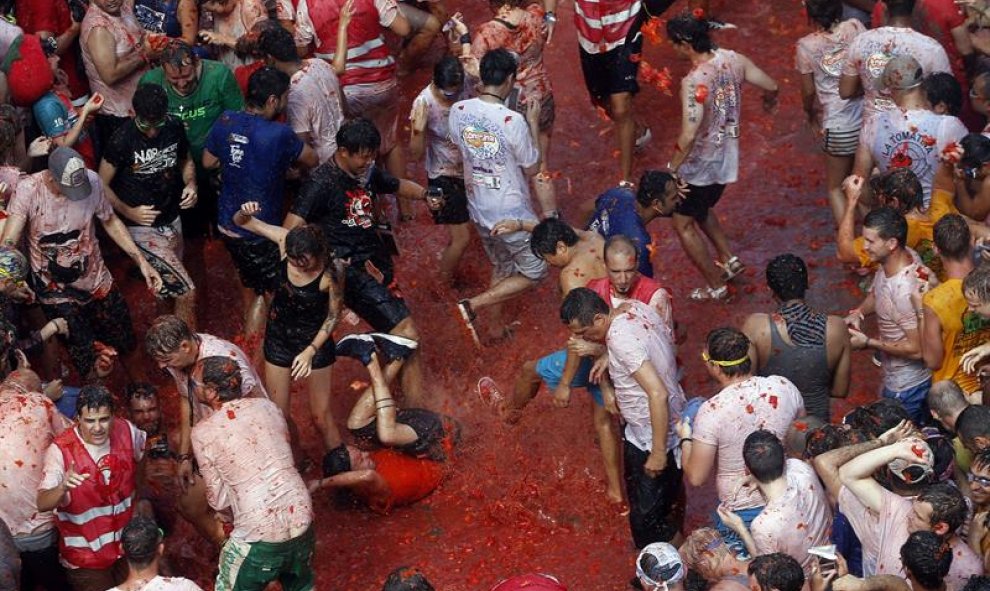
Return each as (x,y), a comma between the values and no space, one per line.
(709,293)
(731,268)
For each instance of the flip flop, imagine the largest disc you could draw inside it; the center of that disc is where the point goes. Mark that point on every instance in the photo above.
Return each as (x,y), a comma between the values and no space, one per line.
(468,316)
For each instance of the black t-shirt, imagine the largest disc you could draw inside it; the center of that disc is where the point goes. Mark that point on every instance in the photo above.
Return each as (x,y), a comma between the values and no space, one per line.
(149,170)
(345,208)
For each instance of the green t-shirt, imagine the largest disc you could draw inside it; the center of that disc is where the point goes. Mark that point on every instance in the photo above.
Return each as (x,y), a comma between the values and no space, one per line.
(217,92)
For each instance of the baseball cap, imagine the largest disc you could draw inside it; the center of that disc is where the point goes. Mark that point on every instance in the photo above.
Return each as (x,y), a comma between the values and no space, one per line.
(902,72)
(916,470)
(660,565)
(69,171)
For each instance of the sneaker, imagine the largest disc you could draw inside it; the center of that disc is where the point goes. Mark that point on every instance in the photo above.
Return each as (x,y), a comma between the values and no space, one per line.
(468,316)
(393,346)
(644,138)
(720,25)
(489,392)
(708,293)
(356,346)
(731,268)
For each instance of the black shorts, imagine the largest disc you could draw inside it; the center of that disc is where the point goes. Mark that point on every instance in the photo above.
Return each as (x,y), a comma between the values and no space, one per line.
(376,303)
(285,339)
(652,501)
(698,200)
(106,320)
(454,209)
(612,72)
(436,434)
(257,261)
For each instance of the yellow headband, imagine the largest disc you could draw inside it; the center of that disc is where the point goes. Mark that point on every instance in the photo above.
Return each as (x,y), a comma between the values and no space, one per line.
(740,361)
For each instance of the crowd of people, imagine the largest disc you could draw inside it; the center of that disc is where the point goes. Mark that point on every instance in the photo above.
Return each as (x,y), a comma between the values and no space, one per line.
(144,129)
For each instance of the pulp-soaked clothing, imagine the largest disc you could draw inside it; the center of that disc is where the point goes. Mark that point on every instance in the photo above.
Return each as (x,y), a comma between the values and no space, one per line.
(652,499)
(409,479)
(435,433)
(296,315)
(127,34)
(804,364)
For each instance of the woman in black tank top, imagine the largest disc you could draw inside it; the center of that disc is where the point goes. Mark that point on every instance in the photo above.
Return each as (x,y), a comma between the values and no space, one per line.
(301,319)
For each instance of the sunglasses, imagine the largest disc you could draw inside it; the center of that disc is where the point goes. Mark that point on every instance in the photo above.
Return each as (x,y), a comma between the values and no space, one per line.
(981,480)
(146,125)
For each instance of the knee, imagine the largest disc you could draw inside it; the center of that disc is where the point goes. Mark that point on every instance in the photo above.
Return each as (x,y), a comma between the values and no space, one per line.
(406,328)
(620,109)
(431,26)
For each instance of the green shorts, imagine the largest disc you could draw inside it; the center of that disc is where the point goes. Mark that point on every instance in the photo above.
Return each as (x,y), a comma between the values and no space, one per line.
(250,566)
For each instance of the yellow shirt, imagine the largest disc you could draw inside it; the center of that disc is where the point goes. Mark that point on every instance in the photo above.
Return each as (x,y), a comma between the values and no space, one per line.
(961,331)
(920,234)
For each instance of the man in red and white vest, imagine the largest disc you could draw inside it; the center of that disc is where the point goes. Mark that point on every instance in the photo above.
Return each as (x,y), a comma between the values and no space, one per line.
(89,480)
(610,43)
(369,80)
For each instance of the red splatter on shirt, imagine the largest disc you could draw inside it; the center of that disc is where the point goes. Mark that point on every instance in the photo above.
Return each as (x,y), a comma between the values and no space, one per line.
(749,409)
(231,415)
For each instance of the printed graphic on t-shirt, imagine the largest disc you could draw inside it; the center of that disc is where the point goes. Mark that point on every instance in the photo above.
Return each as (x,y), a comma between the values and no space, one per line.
(910,149)
(359,210)
(975,331)
(155,160)
(833,58)
(65,261)
(726,101)
(237,146)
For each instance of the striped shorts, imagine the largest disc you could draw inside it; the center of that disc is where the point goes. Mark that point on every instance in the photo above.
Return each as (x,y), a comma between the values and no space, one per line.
(840,142)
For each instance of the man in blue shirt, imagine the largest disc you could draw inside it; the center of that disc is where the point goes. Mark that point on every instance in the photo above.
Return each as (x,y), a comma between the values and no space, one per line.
(254,153)
(620,211)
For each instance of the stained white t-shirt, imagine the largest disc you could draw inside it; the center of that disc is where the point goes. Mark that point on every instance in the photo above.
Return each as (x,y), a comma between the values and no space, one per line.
(496,146)
(822,54)
(443,157)
(635,337)
(912,139)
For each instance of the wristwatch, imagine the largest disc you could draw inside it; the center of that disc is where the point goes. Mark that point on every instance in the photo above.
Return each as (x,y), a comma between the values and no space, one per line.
(550,17)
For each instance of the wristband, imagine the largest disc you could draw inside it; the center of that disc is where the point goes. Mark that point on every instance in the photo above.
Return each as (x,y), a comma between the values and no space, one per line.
(315,350)
(683,441)
(466,39)
(184,457)
(550,17)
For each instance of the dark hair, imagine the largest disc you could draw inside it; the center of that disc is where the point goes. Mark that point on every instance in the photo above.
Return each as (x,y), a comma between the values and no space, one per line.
(358,135)
(899,7)
(942,87)
(448,73)
(653,187)
(976,150)
(978,283)
(620,242)
(952,237)
(165,335)
(887,413)
(304,240)
(150,102)
(249,44)
(407,578)
(776,572)
(94,397)
(264,84)
(763,455)
(981,459)
(583,305)
(496,66)
(945,398)
(972,423)
(948,505)
(902,184)
(685,28)
(548,233)
(136,390)
(278,43)
(223,374)
(140,539)
(336,461)
(828,437)
(178,54)
(926,558)
(824,13)
(888,223)
(8,134)
(977,583)
(729,344)
(787,277)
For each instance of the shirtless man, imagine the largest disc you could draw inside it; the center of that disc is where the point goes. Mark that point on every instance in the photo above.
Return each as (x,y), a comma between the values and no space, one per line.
(970,174)
(161,485)
(580,257)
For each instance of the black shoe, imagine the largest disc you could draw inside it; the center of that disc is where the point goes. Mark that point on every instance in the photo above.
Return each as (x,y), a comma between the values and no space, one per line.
(356,346)
(635,583)
(394,347)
